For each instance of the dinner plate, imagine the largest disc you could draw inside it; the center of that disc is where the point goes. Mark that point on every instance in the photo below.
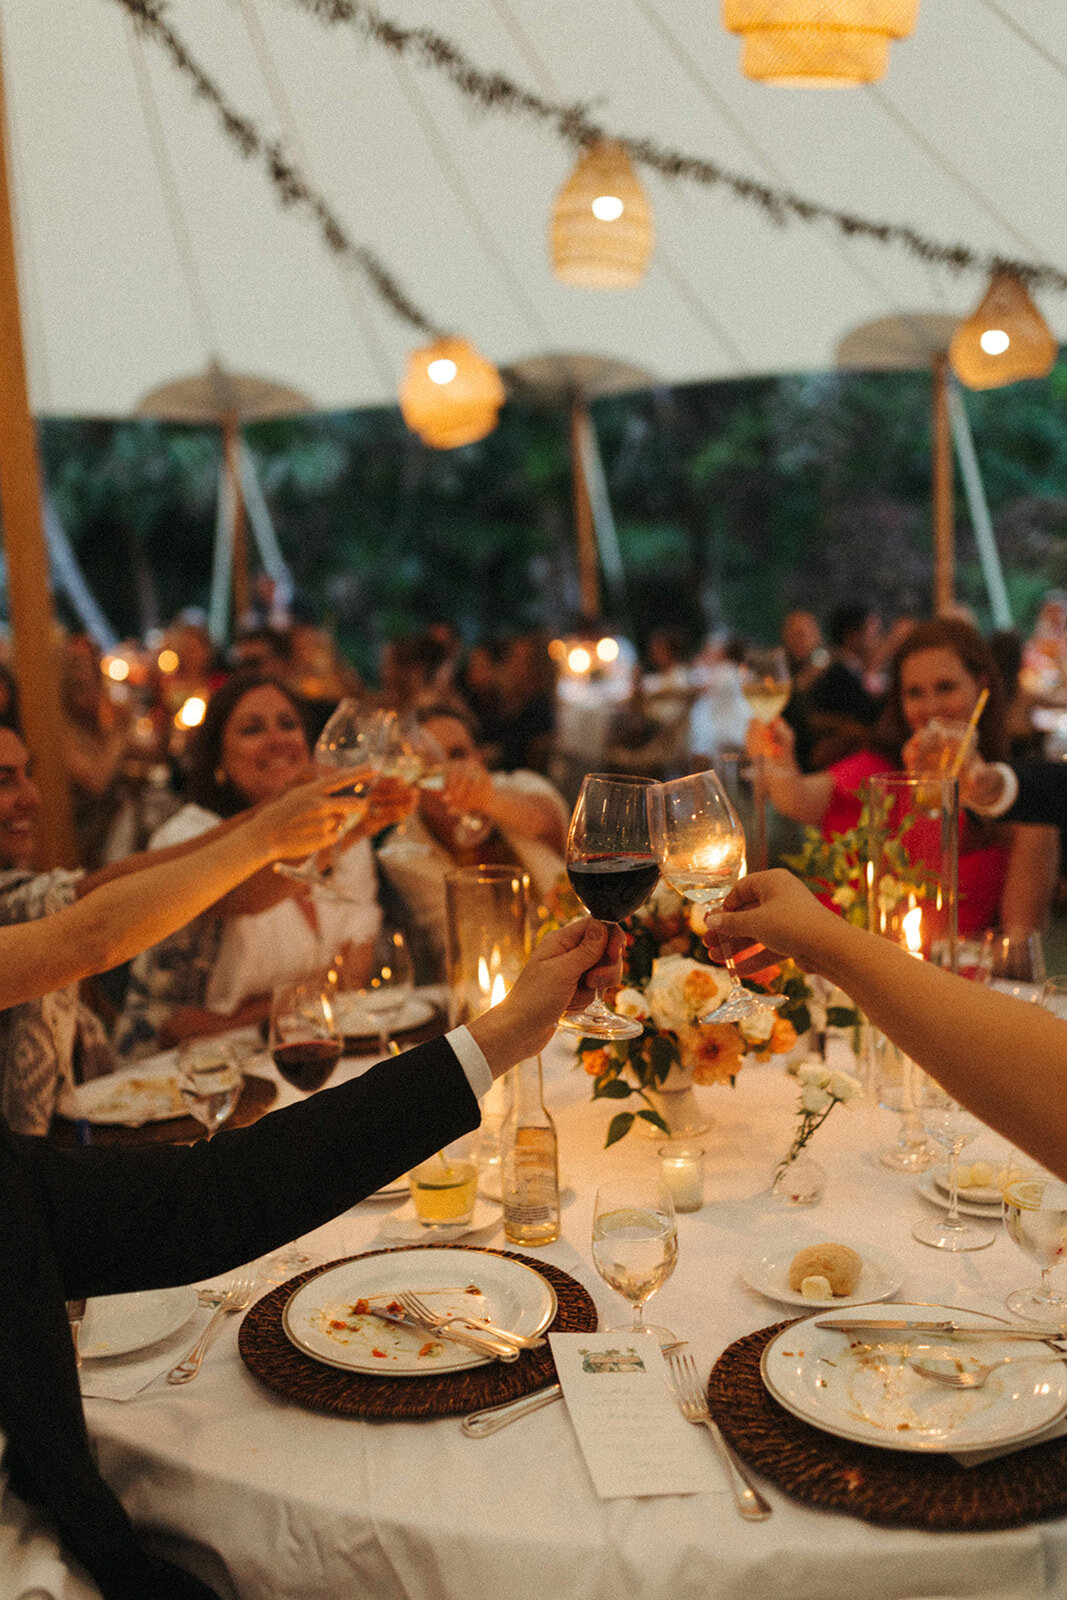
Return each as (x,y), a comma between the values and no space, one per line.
(353,1022)
(931,1190)
(869,1393)
(129,1098)
(318,1318)
(768,1272)
(115,1324)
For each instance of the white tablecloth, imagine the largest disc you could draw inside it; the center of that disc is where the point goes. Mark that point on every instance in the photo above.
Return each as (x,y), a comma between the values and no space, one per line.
(320,1508)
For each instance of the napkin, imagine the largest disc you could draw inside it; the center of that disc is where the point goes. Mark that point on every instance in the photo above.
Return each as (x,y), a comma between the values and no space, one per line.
(975,1458)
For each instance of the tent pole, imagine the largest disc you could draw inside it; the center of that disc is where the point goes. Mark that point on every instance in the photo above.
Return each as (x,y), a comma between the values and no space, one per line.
(588,576)
(231,456)
(944,548)
(32,618)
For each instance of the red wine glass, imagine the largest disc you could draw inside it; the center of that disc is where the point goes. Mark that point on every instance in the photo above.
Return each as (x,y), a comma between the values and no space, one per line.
(305,1043)
(613,869)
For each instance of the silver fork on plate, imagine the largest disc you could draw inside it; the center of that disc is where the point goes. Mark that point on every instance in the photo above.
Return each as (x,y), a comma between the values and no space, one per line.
(236,1296)
(488,1344)
(694,1408)
(418,1308)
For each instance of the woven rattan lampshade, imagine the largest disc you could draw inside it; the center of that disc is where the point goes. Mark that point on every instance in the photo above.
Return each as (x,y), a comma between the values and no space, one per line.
(602,233)
(820,44)
(1006,339)
(450,394)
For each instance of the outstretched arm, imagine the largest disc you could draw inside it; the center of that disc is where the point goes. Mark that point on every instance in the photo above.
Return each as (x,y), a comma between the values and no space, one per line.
(1004,1058)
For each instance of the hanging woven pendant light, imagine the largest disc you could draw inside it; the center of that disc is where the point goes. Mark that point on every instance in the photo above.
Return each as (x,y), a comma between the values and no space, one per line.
(817,44)
(1004,340)
(450,394)
(602,233)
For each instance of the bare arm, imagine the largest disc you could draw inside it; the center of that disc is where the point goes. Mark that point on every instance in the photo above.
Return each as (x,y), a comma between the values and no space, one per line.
(470,787)
(1004,1058)
(1033,873)
(803,796)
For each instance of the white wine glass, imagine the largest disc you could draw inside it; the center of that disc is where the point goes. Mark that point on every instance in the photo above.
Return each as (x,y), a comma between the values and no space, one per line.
(353,738)
(1035,1218)
(903,1087)
(389,985)
(953,1127)
(209,1081)
(766,684)
(613,869)
(635,1245)
(700,843)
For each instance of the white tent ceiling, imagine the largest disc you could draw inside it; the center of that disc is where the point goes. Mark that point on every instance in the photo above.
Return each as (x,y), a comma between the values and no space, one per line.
(964,140)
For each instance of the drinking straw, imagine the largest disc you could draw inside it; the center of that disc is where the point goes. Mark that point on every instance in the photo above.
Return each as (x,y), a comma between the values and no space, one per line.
(965,742)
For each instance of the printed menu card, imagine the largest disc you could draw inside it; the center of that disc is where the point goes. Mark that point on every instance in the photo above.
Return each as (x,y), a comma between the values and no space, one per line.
(634,1438)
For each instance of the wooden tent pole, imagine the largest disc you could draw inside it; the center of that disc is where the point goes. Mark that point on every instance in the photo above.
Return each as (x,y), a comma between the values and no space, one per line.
(944,536)
(585,532)
(30,595)
(231,458)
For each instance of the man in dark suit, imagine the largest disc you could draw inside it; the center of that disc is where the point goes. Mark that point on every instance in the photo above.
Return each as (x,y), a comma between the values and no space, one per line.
(106,1221)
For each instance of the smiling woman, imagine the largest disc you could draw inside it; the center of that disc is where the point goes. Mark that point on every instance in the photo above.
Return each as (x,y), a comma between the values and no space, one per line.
(217,972)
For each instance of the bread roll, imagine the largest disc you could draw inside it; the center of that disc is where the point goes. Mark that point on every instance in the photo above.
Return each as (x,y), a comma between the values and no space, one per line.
(840,1266)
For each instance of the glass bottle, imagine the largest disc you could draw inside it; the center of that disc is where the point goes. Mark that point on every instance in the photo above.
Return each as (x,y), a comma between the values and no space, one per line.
(530,1161)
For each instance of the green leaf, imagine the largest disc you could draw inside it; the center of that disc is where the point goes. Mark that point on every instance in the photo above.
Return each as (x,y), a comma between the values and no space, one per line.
(611,1089)
(656,1121)
(841,1017)
(799,1016)
(663,1053)
(619,1127)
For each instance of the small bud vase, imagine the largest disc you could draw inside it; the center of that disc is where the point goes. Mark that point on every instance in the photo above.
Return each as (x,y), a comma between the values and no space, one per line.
(800,1183)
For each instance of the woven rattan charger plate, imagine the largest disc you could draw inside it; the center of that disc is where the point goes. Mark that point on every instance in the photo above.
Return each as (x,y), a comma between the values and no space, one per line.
(267,1353)
(890,1487)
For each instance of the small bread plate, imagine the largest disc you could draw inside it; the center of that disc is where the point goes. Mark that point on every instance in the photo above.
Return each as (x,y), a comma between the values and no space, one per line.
(116,1324)
(129,1098)
(931,1189)
(861,1386)
(360,1032)
(321,1317)
(768,1272)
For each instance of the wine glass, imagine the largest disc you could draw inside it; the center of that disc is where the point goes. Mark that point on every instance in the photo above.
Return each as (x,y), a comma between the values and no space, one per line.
(766,685)
(1016,962)
(388,986)
(304,1040)
(1035,1217)
(635,1245)
(701,847)
(209,1080)
(904,1088)
(613,869)
(355,738)
(953,1127)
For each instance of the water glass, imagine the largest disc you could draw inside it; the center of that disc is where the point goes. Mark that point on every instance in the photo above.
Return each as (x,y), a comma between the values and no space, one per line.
(953,1127)
(1017,962)
(209,1080)
(1035,1218)
(635,1245)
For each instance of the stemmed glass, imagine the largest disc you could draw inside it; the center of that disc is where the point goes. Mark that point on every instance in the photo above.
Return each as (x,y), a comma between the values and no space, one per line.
(766,685)
(389,985)
(635,1245)
(953,1127)
(1016,962)
(209,1080)
(904,1088)
(701,847)
(613,869)
(1035,1216)
(352,738)
(304,1040)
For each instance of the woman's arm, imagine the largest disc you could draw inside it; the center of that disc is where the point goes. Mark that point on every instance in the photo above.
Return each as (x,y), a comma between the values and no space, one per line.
(1004,1058)
(803,796)
(469,787)
(1033,873)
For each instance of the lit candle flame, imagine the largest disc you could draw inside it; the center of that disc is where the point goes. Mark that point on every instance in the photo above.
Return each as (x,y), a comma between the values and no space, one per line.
(911,923)
(500,989)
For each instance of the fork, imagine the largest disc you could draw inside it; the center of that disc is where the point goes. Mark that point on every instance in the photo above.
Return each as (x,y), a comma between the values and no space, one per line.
(236,1296)
(488,1344)
(694,1408)
(964,1372)
(418,1308)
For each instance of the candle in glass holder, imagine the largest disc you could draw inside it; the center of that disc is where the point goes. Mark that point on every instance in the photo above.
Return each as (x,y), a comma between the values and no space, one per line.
(683,1173)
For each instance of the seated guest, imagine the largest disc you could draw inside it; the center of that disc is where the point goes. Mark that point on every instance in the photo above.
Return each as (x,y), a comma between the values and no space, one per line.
(802,642)
(218,972)
(523,823)
(110,1221)
(1007,873)
(841,705)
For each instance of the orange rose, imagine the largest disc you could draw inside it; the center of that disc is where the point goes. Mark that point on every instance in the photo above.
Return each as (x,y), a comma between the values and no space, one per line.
(713,1052)
(783,1038)
(596,1062)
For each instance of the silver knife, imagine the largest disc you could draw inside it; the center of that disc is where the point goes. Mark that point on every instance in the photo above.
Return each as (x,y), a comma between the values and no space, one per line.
(889,1324)
(484,1345)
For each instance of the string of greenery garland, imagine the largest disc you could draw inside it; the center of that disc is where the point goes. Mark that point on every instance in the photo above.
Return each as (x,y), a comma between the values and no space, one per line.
(494,91)
(292,187)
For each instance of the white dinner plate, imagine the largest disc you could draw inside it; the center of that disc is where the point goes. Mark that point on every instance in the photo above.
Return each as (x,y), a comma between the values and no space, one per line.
(931,1190)
(354,1024)
(115,1324)
(129,1098)
(870,1393)
(318,1318)
(768,1272)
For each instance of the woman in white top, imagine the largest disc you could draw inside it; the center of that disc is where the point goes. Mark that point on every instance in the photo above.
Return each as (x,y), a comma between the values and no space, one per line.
(217,973)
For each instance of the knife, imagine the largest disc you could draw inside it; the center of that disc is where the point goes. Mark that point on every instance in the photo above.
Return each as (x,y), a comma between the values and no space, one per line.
(888,1324)
(484,1345)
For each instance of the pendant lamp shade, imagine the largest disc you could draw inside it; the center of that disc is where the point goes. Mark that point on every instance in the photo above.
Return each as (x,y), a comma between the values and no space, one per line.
(1004,340)
(450,395)
(602,232)
(817,44)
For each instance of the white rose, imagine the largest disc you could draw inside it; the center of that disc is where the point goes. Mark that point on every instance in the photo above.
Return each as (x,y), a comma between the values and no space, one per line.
(814,1099)
(665,995)
(631,1003)
(843,895)
(813,1072)
(843,1086)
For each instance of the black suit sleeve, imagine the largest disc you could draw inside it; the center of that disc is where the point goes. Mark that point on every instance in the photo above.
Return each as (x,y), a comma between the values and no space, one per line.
(1042,793)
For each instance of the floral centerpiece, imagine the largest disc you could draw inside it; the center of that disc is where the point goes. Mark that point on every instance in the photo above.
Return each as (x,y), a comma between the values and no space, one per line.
(836,870)
(669,984)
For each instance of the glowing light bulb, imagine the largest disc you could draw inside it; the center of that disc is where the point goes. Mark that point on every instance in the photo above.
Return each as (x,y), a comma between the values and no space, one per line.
(607,208)
(994,341)
(191,714)
(441,371)
(607,649)
(117,668)
(167,661)
(579,660)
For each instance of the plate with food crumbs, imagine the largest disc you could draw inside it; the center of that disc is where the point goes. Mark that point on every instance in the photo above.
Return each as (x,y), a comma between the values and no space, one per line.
(332,1316)
(813,1270)
(147,1093)
(862,1386)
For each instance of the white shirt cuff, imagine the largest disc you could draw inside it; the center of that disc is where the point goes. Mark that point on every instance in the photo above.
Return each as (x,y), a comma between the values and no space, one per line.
(469,1055)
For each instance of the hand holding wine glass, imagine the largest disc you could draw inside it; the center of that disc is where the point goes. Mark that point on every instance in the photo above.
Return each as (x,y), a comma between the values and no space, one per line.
(209,1080)
(304,1041)
(353,738)
(613,870)
(635,1245)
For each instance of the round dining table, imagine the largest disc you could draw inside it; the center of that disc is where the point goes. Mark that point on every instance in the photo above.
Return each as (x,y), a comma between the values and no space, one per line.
(271,1501)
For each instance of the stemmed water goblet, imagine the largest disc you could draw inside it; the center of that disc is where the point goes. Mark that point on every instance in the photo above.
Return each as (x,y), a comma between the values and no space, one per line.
(953,1127)
(903,1087)
(1035,1217)
(700,842)
(635,1245)
(766,684)
(613,869)
(1016,962)
(209,1081)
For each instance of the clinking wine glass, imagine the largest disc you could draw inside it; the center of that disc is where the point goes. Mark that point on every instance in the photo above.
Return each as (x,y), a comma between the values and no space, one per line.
(1035,1217)
(613,869)
(209,1081)
(304,1041)
(953,1127)
(354,738)
(700,842)
(635,1245)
